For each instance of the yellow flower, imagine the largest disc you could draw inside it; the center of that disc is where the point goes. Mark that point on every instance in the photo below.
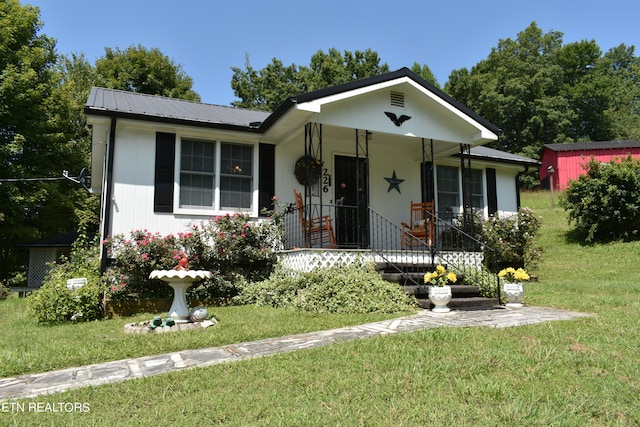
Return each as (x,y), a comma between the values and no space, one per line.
(440,270)
(521,275)
(428,277)
(452,277)
(510,275)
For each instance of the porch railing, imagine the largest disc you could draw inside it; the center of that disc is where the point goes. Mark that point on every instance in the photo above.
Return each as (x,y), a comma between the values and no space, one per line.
(454,244)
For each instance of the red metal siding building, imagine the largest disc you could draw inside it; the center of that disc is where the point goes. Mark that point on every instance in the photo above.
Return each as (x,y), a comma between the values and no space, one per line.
(568,160)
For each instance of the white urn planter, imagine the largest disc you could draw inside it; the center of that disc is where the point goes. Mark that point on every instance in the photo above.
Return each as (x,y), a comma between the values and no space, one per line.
(513,292)
(440,297)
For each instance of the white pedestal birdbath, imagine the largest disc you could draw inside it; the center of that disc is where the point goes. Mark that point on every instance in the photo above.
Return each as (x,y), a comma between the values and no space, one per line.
(180,279)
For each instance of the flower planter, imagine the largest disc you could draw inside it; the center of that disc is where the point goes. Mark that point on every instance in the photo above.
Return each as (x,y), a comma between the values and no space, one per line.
(513,292)
(440,297)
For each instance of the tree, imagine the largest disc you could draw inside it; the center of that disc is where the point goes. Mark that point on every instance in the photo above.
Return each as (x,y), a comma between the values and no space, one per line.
(517,88)
(138,69)
(425,72)
(540,91)
(266,89)
(32,146)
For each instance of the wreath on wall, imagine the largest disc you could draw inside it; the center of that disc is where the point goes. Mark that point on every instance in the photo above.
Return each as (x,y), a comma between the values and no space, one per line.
(308,170)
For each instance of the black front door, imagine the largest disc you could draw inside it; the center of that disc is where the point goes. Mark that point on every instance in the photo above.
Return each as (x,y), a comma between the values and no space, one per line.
(352,219)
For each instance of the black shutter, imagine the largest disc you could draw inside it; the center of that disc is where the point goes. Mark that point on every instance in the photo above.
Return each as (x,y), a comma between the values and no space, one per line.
(426,182)
(266,176)
(163,182)
(492,193)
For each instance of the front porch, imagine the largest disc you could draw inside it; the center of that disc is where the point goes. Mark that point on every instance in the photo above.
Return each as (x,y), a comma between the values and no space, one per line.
(368,237)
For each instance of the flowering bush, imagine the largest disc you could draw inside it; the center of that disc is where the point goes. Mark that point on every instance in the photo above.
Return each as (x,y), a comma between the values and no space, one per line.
(440,277)
(513,237)
(511,275)
(233,247)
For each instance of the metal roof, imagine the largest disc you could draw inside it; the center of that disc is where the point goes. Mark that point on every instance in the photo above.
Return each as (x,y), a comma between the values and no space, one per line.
(111,102)
(486,153)
(597,145)
(141,106)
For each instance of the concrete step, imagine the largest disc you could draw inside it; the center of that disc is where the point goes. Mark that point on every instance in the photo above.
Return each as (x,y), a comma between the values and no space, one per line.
(464,303)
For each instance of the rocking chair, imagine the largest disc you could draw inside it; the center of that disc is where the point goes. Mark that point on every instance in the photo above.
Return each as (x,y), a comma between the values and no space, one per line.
(421,229)
(318,232)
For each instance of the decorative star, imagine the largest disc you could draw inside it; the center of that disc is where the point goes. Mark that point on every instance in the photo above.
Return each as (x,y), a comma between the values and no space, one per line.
(394,182)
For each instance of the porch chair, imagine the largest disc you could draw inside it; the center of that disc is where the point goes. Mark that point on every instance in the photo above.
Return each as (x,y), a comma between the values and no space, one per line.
(317,231)
(421,228)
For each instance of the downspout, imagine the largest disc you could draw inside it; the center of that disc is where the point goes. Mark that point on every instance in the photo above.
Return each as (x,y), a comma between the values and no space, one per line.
(108,190)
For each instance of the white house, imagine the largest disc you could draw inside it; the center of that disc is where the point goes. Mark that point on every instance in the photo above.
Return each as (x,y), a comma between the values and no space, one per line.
(162,164)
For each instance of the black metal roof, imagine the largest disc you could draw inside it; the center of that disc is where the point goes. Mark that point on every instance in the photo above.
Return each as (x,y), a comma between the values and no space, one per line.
(596,145)
(64,240)
(111,102)
(480,152)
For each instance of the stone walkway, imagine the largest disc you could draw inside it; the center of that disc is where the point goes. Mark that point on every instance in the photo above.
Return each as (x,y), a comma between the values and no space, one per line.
(121,370)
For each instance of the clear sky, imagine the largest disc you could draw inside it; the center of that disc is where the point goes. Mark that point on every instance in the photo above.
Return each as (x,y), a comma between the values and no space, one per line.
(208,37)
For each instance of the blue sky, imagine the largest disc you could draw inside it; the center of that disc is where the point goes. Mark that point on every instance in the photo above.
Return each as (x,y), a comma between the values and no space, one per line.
(208,37)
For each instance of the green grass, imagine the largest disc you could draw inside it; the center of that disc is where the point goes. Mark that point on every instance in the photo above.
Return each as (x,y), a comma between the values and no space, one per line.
(582,372)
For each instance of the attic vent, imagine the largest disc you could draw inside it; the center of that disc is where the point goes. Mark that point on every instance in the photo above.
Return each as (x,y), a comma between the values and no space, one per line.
(397,99)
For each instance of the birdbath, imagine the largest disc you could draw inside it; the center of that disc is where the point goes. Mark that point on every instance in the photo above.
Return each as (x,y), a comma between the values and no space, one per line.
(180,278)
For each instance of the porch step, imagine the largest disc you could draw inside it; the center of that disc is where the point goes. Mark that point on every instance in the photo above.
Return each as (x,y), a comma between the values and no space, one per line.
(462,303)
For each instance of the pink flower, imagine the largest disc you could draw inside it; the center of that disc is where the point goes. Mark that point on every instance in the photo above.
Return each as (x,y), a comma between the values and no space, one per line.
(243,235)
(115,288)
(274,198)
(144,257)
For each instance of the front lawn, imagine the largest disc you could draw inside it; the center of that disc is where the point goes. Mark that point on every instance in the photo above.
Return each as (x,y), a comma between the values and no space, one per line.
(566,373)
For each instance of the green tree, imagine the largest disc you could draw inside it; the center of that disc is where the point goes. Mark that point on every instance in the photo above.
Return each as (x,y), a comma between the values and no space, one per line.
(266,89)
(518,88)
(138,69)
(425,72)
(540,91)
(32,145)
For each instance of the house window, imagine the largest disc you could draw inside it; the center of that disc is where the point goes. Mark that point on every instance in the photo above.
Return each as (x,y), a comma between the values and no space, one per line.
(236,182)
(448,191)
(208,166)
(197,173)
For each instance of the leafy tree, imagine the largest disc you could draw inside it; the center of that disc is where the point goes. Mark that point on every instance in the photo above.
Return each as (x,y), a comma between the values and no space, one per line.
(540,91)
(32,144)
(517,88)
(138,69)
(604,204)
(425,72)
(266,89)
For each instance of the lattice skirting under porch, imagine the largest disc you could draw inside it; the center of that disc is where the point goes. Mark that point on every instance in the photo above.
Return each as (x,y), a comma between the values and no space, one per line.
(309,259)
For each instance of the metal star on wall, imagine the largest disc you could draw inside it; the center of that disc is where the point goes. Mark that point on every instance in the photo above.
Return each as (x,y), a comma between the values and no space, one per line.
(394,182)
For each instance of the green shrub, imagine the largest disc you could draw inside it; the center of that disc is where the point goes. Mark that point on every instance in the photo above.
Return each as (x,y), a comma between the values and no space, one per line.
(346,289)
(233,247)
(604,204)
(4,292)
(513,237)
(55,303)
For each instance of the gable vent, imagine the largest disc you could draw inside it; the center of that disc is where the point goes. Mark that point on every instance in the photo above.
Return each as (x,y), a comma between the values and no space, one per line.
(397,99)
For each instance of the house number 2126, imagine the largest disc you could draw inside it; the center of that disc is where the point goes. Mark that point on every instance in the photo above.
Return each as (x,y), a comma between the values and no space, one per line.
(326,180)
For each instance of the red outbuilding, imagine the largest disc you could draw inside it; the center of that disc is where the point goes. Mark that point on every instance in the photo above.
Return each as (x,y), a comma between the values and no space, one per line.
(566,161)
